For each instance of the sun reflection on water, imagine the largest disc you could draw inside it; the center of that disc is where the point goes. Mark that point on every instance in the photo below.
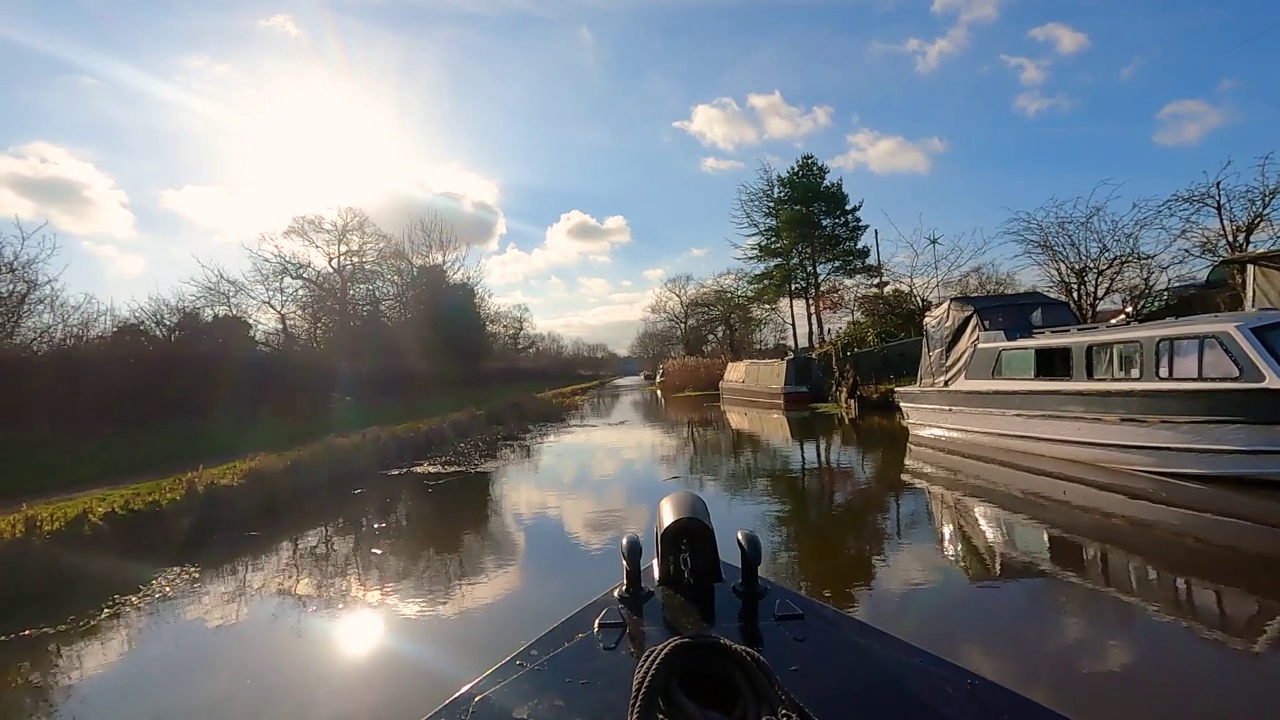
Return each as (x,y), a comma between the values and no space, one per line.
(360,631)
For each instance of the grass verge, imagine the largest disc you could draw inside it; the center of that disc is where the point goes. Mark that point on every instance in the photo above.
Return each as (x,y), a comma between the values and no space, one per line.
(340,459)
(39,467)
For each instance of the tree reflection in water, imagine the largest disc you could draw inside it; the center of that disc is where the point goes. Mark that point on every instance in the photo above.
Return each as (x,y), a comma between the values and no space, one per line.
(411,544)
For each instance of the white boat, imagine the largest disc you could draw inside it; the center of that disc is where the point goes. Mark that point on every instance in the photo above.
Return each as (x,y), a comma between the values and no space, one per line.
(1193,396)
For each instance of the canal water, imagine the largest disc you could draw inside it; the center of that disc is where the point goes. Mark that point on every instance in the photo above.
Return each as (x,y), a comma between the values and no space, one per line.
(387,604)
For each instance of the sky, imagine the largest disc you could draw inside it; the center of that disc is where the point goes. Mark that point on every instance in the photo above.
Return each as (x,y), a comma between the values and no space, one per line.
(589,148)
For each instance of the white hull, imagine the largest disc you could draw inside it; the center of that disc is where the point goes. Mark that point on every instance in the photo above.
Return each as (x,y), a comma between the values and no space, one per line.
(1181,448)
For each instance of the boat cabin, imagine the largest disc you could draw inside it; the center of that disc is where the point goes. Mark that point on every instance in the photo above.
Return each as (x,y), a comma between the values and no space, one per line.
(1002,339)
(952,329)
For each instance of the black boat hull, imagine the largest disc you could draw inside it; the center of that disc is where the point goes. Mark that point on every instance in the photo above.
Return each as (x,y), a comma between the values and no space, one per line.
(835,665)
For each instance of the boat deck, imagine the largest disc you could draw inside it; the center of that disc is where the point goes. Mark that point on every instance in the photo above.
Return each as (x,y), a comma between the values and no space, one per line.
(835,665)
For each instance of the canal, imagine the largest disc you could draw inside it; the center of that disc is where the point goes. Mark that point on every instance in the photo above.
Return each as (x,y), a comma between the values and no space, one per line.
(396,596)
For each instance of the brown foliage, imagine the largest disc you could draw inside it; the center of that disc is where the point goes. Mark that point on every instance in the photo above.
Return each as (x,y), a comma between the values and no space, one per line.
(692,374)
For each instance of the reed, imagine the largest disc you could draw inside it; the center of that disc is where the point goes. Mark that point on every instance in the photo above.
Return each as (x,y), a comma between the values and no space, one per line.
(691,374)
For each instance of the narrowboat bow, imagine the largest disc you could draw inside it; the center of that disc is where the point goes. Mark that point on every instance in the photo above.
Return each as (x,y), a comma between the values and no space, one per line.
(690,636)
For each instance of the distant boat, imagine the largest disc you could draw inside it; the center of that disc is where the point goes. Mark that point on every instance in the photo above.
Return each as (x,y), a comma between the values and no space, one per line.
(1196,396)
(646,375)
(795,380)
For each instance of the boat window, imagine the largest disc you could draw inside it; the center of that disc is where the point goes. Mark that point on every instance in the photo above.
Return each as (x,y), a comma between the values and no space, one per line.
(1116,361)
(1216,362)
(802,372)
(1194,358)
(1270,337)
(1051,363)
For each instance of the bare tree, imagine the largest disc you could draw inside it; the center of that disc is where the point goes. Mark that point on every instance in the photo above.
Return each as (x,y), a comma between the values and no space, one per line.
(28,284)
(1227,213)
(425,241)
(1094,250)
(675,306)
(930,266)
(164,315)
(654,343)
(513,328)
(987,278)
(728,314)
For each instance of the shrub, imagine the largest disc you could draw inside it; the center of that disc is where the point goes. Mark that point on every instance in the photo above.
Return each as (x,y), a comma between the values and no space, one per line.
(692,374)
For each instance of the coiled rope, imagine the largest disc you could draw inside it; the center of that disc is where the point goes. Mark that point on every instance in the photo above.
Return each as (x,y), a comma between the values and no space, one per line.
(706,677)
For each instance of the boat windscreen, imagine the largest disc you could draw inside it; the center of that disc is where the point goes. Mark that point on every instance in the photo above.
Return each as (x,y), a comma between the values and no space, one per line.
(1026,317)
(1270,337)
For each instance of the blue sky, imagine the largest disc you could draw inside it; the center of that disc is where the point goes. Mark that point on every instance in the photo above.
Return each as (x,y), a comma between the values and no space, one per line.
(589,147)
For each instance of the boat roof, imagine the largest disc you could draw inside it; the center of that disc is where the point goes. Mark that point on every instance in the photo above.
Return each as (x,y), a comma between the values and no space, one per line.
(830,661)
(1239,317)
(978,302)
(1265,258)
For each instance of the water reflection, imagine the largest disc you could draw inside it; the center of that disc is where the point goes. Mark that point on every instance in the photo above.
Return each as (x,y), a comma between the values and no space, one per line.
(1189,583)
(383,603)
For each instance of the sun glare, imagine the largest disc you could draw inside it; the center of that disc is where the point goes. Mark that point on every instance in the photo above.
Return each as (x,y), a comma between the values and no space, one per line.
(360,631)
(320,141)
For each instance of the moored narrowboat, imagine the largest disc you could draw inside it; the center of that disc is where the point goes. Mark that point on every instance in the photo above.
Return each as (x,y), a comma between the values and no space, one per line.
(795,380)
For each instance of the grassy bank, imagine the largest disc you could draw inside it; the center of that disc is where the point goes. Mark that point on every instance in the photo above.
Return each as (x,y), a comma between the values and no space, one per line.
(40,466)
(334,461)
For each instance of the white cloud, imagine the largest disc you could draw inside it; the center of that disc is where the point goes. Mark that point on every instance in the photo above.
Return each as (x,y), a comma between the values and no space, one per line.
(574,237)
(720,165)
(1032,102)
(1066,40)
(782,121)
(1127,71)
(42,181)
(653,274)
(697,252)
(516,297)
(117,261)
(594,287)
(281,23)
(1030,72)
(929,53)
(720,123)
(967,10)
(1226,85)
(887,154)
(723,124)
(1186,122)
(614,323)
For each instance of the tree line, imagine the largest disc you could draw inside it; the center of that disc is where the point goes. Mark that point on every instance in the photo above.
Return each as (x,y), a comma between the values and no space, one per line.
(808,265)
(331,307)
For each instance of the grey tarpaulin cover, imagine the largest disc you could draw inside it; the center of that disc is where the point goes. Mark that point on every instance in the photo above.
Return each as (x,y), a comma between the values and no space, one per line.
(1266,284)
(1264,277)
(951,329)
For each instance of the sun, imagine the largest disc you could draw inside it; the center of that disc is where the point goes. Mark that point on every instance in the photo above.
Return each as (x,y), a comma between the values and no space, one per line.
(316,141)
